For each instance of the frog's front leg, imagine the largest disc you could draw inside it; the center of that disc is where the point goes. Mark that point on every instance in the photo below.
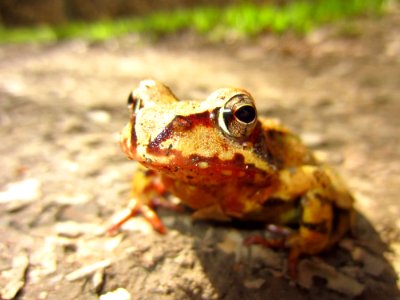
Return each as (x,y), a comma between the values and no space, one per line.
(136,208)
(147,192)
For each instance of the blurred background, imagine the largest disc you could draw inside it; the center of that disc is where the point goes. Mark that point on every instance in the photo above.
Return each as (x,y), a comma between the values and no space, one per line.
(60,19)
(59,11)
(327,69)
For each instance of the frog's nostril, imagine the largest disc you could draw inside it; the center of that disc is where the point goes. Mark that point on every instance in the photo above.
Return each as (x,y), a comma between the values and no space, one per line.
(130,99)
(134,103)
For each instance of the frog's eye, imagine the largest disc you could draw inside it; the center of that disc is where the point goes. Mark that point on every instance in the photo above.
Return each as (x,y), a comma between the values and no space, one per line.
(238,117)
(134,103)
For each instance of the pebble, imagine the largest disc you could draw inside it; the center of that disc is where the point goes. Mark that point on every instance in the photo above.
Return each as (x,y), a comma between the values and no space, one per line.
(73,229)
(88,270)
(15,276)
(25,190)
(371,264)
(118,294)
(98,280)
(254,283)
(268,257)
(344,284)
(313,139)
(231,242)
(99,116)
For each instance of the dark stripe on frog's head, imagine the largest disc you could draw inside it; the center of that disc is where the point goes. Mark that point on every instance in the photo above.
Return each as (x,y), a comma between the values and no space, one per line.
(178,124)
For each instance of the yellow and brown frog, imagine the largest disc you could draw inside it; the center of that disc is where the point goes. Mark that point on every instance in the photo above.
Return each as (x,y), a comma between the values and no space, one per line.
(223,161)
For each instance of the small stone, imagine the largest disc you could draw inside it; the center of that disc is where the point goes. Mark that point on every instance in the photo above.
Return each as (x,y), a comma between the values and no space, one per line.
(99,116)
(347,244)
(231,242)
(43,295)
(73,200)
(72,124)
(313,139)
(254,283)
(185,260)
(371,264)
(87,270)
(228,246)
(118,294)
(395,259)
(112,243)
(268,257)
(68,229)
(17,194)
(47,266)
(328,157)
(344,284)
(208,236)
(98,280)
(16,277)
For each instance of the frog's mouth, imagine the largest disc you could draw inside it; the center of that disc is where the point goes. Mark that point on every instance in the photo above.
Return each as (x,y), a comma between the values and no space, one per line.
(197,169)
(128,141)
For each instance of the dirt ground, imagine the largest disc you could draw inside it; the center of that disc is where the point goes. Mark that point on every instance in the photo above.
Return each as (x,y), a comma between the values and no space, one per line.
(63,175)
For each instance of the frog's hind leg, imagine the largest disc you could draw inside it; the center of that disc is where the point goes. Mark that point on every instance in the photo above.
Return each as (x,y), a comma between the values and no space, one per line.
(312,236)
(325,210)
(315,229)
(315,223)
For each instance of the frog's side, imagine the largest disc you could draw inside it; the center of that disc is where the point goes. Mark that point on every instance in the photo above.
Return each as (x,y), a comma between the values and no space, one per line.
(225,163)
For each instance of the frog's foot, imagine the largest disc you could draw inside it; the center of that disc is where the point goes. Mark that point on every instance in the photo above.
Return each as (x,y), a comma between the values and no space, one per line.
(135,208)
(278,243)
(293,263)
(280,238)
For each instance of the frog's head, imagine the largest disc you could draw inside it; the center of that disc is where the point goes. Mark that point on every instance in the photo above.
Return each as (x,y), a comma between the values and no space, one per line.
(198,142)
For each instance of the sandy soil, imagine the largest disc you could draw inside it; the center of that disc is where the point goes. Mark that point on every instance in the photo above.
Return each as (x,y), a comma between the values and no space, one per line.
(63,175)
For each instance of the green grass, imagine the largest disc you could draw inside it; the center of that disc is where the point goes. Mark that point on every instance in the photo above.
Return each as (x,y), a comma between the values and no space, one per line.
(245,19)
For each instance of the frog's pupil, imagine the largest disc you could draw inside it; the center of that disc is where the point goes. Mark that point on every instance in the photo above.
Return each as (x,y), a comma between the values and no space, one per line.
(246,114)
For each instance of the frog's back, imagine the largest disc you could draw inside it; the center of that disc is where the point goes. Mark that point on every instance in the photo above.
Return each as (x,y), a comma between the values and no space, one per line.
(285,148)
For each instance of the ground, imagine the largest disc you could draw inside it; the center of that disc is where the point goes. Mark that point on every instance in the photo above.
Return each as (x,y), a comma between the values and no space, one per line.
(63,175)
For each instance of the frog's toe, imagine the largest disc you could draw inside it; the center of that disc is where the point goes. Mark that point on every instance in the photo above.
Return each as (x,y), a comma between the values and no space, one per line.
(151,216)
(275,243)
(121,218)
(136,208)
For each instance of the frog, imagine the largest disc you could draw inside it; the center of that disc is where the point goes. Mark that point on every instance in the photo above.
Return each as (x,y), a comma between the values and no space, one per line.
(222,160)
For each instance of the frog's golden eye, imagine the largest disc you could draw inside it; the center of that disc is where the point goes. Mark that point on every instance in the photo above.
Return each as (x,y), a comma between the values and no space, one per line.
(238,117)
(134,103)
